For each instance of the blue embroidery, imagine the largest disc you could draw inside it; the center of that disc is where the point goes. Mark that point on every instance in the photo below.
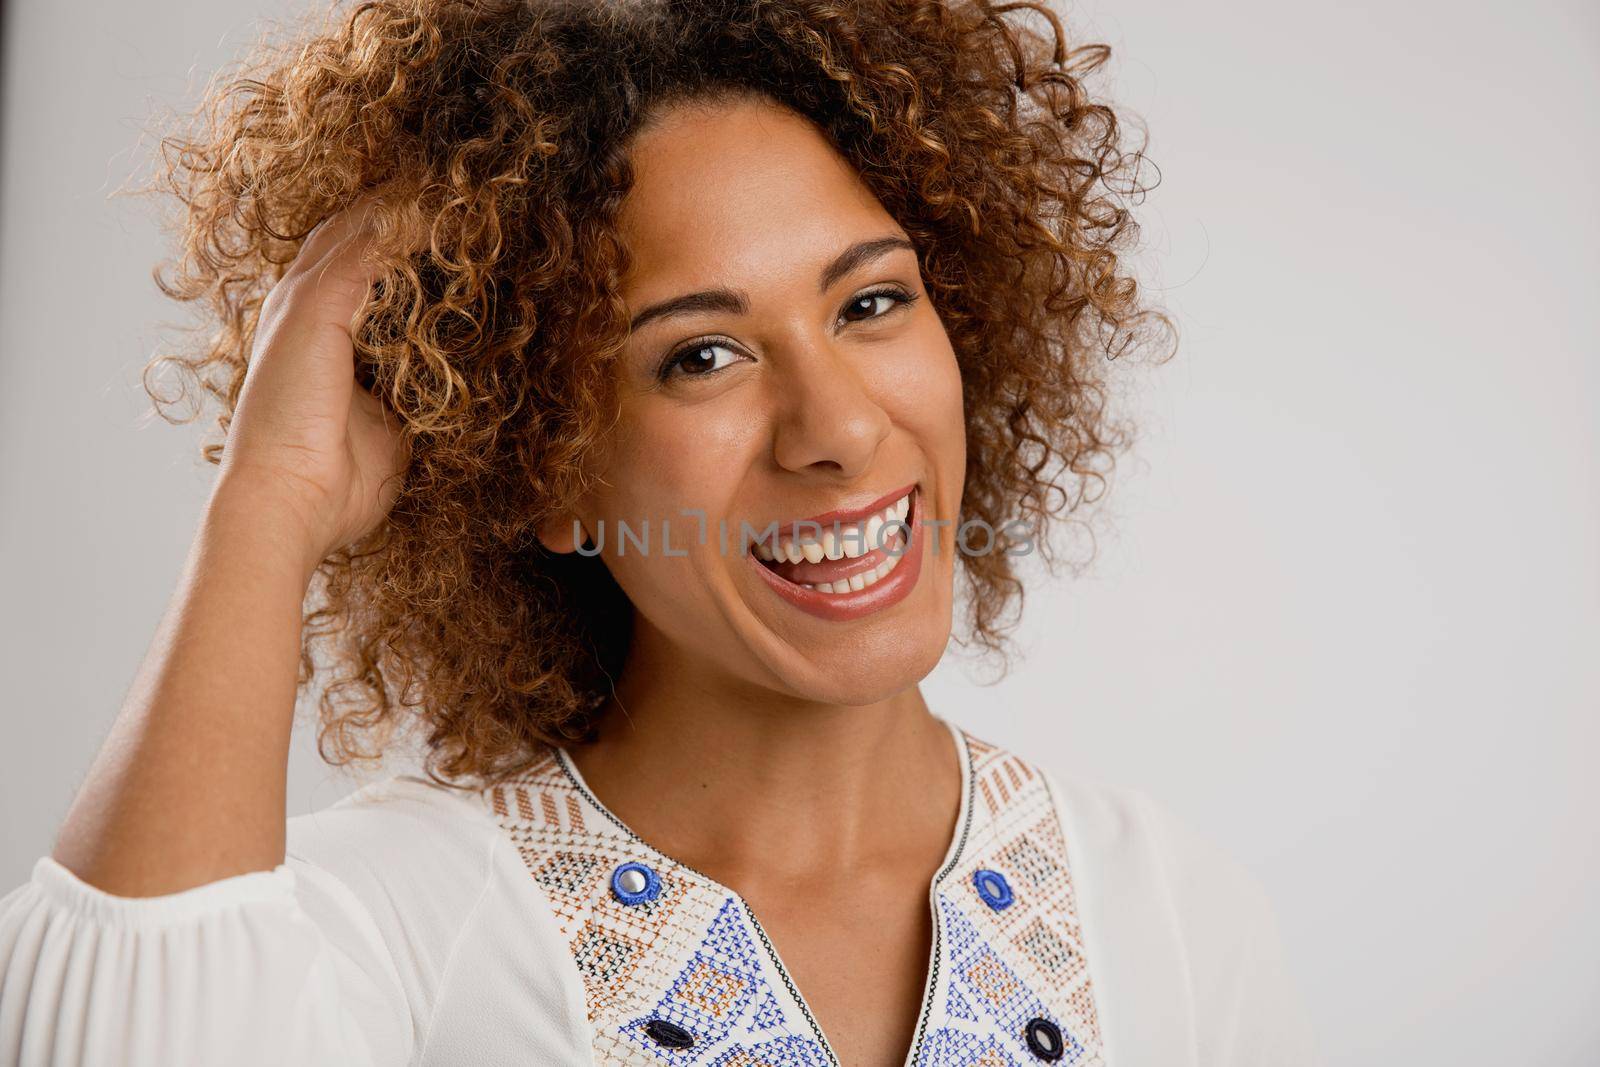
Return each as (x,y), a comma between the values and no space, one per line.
(652,884)
(779,1052)
(983,979)
(695,950)
(992,887)
(957,1048)
(721,986)
(956,1006)
(769,1015)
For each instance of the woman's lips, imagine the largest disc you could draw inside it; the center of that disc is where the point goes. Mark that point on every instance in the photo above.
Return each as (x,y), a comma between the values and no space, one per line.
(844,606)
(841,516)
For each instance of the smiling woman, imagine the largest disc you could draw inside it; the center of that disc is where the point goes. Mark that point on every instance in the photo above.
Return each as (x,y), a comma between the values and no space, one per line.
(788,363)
(618,391)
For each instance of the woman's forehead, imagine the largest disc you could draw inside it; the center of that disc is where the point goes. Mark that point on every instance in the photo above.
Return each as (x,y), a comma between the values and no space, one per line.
(745,189)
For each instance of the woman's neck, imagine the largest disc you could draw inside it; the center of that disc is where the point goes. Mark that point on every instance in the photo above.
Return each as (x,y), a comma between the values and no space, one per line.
(749,785)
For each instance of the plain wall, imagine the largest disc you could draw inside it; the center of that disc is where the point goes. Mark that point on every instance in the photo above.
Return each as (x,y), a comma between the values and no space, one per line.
(1345,608)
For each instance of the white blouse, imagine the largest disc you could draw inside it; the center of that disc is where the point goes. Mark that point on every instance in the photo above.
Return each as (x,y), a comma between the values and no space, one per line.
(525,924)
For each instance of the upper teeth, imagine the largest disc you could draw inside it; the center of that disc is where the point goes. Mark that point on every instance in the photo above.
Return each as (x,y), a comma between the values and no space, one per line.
(845,541)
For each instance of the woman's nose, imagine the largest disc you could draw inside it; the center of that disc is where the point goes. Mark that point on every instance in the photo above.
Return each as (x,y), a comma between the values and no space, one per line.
(827,415)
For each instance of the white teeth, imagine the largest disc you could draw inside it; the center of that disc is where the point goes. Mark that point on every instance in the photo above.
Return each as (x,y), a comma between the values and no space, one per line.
(847,541)
(874,529)
(857,582)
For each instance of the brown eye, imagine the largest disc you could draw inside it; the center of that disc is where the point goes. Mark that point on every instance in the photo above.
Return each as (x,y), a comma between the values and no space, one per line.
(875,305)
(697,360)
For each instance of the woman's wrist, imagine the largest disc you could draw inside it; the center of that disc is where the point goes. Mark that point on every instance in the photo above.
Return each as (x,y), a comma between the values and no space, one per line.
(271,523)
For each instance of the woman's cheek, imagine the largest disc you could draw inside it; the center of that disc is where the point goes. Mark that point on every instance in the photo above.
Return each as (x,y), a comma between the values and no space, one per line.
(675,481)
(928,392)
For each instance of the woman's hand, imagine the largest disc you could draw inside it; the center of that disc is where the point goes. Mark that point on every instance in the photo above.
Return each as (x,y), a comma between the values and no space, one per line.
(305,435)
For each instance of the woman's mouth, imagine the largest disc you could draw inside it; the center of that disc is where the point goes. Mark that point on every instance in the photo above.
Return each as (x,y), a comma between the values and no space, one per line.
(843,568)
(843,557)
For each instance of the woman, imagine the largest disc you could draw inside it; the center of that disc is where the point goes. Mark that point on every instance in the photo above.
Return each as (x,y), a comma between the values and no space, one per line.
(629,382)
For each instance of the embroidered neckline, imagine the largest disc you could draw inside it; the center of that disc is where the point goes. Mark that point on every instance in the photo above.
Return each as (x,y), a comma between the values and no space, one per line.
(1006,961)
(964,818)
(953,851)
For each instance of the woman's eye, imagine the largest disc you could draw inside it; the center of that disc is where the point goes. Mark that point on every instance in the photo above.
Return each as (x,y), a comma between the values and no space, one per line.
(876,304)
(708,357)
(698,359)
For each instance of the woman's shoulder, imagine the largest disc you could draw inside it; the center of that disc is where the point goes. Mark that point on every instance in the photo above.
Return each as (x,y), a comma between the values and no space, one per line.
(1175,923)
(414,853)
(435,879)
(1117,830)
(403,823)
(417,851)
(1129,835)
(401,802)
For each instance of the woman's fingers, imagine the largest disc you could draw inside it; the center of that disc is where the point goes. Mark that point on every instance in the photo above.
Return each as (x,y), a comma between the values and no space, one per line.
(303,419)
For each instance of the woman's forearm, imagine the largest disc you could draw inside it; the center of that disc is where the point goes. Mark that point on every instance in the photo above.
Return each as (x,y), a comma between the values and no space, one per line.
(189,785)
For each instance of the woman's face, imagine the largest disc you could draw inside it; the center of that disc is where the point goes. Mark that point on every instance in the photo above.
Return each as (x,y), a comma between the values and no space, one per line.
(785,363)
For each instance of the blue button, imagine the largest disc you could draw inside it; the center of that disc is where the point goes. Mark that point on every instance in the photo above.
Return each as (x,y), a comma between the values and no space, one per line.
(992,887)
(634,883)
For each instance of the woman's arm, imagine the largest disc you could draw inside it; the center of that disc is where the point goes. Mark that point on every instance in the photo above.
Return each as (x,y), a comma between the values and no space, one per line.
(189,786)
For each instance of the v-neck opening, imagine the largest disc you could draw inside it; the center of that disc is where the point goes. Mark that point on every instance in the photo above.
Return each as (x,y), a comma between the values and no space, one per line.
(952,856)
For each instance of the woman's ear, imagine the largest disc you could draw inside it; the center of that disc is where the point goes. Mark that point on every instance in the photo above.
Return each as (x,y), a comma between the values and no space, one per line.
(564,533)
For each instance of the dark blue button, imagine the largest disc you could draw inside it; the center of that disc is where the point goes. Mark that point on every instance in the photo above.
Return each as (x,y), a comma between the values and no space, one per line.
(671,1035)
(992,887)
(1044,1039)
(634,883)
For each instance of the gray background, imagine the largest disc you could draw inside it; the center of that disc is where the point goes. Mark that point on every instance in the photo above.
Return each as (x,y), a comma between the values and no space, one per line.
(1344,612)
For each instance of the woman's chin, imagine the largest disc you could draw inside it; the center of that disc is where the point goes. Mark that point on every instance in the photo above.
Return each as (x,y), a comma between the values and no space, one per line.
(860,663)
(869,683)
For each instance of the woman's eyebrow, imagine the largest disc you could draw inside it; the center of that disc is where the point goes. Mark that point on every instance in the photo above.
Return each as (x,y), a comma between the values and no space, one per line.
(735,302)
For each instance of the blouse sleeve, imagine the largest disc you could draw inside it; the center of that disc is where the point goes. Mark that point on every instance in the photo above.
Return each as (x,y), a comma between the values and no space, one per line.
(234,971)
(334,957)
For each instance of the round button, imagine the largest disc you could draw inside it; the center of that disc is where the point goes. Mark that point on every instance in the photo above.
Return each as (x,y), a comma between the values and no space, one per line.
(992,887)
(671,1035)
(1044,1039)
(634,883)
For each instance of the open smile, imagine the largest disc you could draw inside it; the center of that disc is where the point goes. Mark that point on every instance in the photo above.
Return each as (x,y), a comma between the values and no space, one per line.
(845,565)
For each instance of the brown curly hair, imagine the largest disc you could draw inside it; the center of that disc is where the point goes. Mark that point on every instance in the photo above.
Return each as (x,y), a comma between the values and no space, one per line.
(492,137)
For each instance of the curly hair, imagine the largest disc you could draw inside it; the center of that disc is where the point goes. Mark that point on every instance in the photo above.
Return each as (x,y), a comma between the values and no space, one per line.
(492,138)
